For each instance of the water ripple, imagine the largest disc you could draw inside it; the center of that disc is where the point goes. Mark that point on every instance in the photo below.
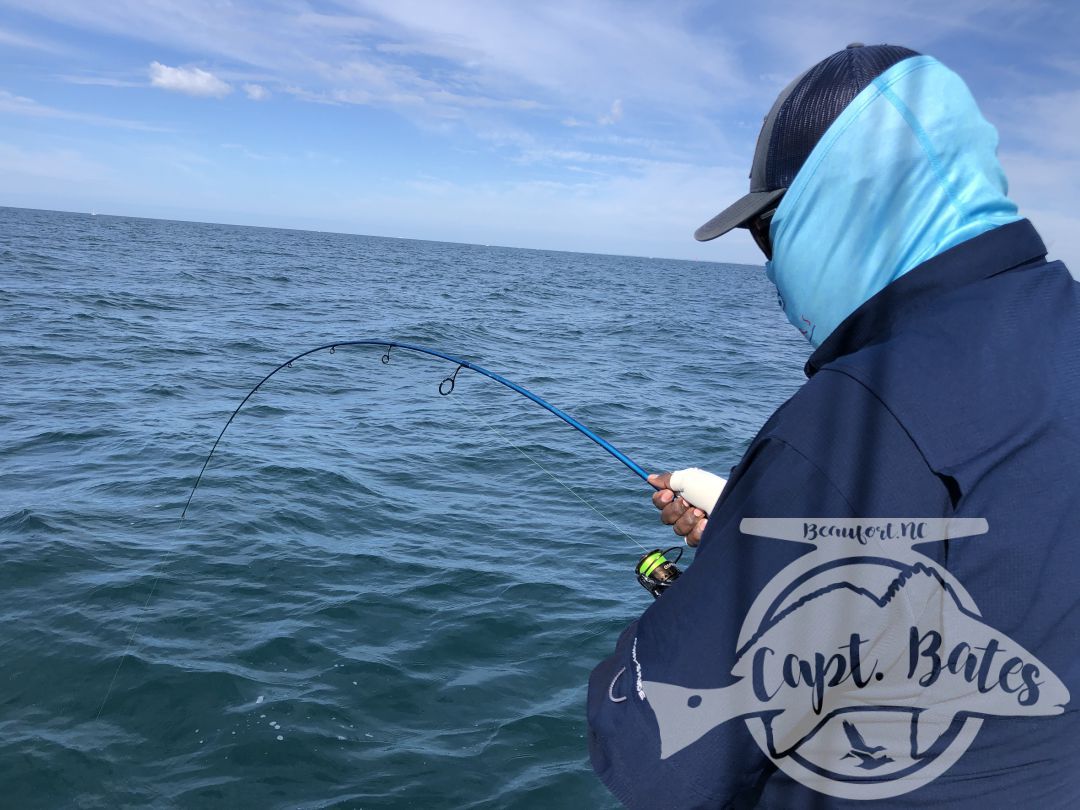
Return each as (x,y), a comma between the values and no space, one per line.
(374,600)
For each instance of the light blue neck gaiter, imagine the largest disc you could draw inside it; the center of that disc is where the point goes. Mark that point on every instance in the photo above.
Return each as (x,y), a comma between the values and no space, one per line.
(908,170)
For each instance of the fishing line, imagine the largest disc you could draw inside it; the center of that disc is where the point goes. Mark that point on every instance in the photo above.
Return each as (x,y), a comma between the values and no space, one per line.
(552,475)
(446,387)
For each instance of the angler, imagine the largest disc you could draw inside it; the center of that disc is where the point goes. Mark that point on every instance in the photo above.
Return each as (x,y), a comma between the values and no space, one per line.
(943,385)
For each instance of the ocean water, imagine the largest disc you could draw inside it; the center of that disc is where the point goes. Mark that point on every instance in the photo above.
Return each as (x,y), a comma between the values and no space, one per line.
(380,597)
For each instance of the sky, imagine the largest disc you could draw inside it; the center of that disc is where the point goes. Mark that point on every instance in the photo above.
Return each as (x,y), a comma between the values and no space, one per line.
(609,127)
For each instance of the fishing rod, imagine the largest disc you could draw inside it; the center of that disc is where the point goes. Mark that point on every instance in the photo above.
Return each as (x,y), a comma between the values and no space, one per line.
(654,571)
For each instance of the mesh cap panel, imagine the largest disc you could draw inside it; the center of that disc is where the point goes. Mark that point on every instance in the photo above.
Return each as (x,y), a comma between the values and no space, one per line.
(817,100)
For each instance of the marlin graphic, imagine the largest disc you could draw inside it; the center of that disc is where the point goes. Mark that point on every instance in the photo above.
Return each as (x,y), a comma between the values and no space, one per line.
(911,649)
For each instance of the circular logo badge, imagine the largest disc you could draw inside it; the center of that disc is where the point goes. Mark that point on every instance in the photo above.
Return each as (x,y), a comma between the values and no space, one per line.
(864,669)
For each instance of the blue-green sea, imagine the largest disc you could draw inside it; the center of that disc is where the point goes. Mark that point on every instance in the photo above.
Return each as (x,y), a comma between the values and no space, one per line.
(380,597)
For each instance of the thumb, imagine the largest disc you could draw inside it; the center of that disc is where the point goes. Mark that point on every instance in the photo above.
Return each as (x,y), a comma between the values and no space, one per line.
(660,480)
(699,487)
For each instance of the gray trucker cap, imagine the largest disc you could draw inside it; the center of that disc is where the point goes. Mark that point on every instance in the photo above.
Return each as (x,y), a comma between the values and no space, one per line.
(796,122)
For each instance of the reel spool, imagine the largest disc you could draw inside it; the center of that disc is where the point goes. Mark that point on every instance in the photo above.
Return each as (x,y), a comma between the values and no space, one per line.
(656,572)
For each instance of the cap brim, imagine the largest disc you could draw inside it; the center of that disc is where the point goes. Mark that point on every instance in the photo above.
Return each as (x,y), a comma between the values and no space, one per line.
(738,213)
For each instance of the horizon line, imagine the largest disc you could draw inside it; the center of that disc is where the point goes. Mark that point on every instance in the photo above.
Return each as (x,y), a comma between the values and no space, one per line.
(378,236)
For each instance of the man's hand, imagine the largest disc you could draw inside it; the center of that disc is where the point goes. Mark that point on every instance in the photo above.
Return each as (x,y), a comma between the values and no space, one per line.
(685,519)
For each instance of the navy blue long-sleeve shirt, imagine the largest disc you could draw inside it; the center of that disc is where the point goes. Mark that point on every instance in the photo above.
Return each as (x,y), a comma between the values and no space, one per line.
(952,393)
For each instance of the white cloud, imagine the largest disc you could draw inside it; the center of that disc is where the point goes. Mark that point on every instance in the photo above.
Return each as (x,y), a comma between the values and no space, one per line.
(192,81)
(256,92)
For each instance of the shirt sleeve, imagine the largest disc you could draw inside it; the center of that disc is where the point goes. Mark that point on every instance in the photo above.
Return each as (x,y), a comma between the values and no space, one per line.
(689,637)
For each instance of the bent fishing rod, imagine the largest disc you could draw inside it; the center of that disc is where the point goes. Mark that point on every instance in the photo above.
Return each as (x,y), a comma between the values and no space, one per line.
(654,571)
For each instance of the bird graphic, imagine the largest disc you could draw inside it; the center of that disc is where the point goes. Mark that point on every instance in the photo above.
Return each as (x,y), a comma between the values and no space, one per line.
(863,752)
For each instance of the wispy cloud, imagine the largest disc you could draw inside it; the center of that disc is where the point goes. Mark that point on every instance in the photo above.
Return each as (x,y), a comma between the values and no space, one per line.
(587,98)
(240,149)
(614,116)
(1039,184)
(192,81)
(99,81)
(12,104)
(53,164)
(550,47)
(629,214)
(474,54)
(14,39)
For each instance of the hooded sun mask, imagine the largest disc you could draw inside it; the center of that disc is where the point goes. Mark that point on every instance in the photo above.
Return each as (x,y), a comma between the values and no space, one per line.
(871,162)
(908,170)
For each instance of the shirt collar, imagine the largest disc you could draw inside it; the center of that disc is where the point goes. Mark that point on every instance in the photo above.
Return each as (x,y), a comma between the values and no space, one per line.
(985,255)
